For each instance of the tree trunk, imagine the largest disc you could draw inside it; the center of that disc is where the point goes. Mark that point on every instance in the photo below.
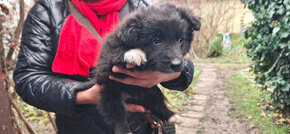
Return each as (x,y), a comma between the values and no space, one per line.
(6,126)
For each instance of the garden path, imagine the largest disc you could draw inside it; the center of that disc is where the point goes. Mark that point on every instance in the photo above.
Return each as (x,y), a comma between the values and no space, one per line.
(209,109)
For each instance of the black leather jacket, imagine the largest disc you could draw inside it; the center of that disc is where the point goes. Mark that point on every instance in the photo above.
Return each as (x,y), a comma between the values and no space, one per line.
(40,87)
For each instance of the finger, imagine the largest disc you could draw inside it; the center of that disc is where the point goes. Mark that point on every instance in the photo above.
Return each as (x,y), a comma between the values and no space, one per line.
(130,66)
(131,81)
(135,108)
(117,69)
(168,105)
(134,73)
(100,87)
(128,80)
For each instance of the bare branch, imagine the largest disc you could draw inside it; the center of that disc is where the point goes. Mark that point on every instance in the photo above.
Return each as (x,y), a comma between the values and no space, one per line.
(15,40)
(19,112)
(52,122)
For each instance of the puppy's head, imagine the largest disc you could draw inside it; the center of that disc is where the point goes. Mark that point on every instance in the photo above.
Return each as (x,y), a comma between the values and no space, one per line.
(164,32)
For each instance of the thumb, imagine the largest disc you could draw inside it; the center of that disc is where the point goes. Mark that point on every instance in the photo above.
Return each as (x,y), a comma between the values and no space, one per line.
(128,66)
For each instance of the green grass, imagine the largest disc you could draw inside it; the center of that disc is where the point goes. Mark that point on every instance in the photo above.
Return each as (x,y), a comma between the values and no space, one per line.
(236,55)
(233,66)
(177,98)
(246,99)
(224,59)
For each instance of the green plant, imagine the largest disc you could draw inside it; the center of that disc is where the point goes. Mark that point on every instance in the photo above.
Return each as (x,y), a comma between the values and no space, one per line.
(236,55)
(269,48)
(216,46)
(177,98)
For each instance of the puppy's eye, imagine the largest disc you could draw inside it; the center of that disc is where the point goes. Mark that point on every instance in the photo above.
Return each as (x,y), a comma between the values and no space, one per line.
(180,40)
(156,41)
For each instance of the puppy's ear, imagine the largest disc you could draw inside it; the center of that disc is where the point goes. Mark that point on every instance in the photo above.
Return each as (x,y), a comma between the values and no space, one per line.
(188,15)
(128,32)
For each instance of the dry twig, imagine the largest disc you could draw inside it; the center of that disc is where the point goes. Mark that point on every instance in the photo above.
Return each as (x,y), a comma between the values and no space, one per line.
(52,122)
(18,110)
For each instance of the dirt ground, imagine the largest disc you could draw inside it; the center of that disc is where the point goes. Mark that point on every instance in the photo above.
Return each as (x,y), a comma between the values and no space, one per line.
(209,110)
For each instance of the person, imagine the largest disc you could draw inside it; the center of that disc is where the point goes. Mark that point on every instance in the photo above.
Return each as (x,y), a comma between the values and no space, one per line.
(56,58)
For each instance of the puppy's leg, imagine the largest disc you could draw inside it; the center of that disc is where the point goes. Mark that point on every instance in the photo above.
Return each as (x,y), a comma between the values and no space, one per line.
(175,119)
(159,108)
(135,57)
(113,110)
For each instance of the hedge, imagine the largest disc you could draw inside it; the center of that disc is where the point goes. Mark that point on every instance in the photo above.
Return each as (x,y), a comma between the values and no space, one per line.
(268,46)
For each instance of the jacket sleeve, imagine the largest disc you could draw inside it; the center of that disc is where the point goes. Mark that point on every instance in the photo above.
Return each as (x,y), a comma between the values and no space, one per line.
(185,79)
(34,81)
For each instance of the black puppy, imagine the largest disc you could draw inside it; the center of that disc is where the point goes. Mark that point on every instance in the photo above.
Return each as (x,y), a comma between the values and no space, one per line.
(153,38)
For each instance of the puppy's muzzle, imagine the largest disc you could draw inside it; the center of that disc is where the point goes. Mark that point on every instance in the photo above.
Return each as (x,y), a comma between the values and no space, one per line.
(176,64)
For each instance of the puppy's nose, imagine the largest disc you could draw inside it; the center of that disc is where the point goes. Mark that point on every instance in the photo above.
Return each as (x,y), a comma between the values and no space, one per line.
(175,64)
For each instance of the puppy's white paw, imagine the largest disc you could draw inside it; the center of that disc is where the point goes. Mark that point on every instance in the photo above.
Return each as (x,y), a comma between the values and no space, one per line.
(135,57)
(175,119)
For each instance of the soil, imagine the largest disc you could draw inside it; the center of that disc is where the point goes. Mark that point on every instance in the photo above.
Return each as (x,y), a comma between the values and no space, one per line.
(209,109)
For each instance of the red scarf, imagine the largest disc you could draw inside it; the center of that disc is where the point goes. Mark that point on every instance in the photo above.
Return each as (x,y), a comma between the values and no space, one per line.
(78,49)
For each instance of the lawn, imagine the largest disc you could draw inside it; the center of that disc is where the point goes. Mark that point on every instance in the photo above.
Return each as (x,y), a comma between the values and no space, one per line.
(237,54)
(248,102)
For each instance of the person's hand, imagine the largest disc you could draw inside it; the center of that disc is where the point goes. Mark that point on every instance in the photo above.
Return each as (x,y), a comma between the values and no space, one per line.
(168,105)
(93,96)
(90,96)
(142,78)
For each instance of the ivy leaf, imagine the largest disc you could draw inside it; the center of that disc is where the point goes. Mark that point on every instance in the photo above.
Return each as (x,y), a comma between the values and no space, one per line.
(284,35)
(281,10)
(286,88)
(275,30)
(271,13)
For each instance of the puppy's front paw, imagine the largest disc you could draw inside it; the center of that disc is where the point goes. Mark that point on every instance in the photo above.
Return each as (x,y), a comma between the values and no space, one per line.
(175,119)
(135,57)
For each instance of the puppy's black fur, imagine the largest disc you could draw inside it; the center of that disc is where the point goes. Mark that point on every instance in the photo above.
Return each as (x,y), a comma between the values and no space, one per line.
(164,33)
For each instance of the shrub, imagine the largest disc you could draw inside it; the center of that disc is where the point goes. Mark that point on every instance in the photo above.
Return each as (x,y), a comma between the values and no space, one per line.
(269,47)
(216,46)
